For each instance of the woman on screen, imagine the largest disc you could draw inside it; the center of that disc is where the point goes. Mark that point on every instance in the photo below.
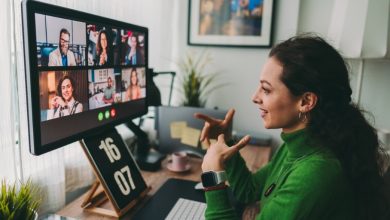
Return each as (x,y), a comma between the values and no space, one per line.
(103,49)
(133,90)
(64,103)
(134,55)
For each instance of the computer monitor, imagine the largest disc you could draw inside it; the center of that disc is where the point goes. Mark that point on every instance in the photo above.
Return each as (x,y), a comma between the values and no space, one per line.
(84,73)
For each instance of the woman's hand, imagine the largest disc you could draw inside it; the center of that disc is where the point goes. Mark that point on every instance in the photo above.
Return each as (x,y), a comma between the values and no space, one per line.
(57,101)
(53,103)
(103,58)
(218,153)
(214,127)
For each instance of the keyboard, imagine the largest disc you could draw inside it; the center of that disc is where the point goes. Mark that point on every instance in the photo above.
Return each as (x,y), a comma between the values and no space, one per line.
(185,209)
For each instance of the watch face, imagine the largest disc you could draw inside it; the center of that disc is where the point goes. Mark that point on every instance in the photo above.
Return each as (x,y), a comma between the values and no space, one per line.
(209,179)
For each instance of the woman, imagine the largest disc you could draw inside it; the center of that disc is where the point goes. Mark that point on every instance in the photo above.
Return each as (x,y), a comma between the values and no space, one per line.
(133,90)
(103,49)
(134,55)
(64,103)
(329,166)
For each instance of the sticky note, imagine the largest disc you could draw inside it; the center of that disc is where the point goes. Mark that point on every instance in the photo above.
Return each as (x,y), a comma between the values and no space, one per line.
(190,136)
(177,128)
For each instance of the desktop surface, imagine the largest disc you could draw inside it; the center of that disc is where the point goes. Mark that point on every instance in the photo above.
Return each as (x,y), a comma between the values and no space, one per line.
(254,156)
(153,179)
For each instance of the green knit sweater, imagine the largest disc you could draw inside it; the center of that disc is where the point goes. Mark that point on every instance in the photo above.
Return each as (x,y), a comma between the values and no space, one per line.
(309,184)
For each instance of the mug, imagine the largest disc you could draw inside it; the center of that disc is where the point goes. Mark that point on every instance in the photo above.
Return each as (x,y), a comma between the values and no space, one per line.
(180,161)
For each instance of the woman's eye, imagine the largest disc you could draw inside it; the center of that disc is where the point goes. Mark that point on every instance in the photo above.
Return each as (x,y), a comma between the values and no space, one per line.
(266,91)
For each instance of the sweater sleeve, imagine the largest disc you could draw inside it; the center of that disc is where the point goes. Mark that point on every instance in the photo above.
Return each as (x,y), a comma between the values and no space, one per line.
(246,186)
(218,205)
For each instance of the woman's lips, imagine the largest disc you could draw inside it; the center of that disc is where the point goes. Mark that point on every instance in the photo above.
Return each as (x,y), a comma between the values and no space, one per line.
(263,112)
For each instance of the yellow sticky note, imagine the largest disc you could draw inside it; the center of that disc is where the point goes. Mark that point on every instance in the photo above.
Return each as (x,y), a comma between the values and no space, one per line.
(177,128)
(190,136)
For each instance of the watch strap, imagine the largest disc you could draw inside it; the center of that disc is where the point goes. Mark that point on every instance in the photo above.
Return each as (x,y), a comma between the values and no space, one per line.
(221,176)
(217,187)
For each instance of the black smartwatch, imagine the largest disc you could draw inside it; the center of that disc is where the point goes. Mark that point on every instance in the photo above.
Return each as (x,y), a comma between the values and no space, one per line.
(213,178)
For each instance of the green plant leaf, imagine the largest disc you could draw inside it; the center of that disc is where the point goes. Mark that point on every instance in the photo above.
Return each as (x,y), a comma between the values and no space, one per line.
(195,79)
(18,202)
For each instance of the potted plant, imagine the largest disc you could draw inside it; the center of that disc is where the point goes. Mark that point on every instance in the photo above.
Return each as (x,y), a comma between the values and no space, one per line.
(196,81)
(18,201)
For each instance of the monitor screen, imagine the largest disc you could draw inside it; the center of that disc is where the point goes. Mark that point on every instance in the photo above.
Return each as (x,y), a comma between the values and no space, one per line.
(84,73)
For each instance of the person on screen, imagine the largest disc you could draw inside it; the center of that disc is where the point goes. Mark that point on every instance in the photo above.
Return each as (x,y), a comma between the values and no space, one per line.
(134,55)
(109,92)
(62,56)
(330,165)
(133,90)
(103,49)
(64,103)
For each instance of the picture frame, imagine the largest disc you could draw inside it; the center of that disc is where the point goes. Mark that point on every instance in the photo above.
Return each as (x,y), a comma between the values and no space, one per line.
(230,23)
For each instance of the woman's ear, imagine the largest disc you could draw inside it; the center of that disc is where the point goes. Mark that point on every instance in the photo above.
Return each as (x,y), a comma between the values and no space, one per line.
(308,101)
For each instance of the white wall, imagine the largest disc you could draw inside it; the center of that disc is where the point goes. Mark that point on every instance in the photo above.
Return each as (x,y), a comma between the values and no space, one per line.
(315,15)
(376,91)
(241,66)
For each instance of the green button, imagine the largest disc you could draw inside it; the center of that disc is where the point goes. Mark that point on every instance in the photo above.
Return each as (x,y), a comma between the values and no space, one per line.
(100,116)
(107,114)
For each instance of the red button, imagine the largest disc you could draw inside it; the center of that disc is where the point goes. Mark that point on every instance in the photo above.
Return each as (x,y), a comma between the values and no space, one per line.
(113,112)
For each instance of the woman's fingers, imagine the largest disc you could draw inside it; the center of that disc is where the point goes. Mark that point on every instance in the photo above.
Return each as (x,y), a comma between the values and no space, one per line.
(205,117)
(221,138)
(205,132)
(243,142)
(213,126)
(238,146)
(207,125)
(229,116)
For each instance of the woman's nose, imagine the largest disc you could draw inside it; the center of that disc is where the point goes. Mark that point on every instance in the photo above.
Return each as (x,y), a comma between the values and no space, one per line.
(256,97)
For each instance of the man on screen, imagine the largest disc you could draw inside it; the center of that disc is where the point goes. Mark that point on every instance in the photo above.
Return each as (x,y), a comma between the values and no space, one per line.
(62,56)
(109,92)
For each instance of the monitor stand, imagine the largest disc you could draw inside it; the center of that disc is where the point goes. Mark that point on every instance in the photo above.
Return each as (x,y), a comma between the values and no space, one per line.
(146,159)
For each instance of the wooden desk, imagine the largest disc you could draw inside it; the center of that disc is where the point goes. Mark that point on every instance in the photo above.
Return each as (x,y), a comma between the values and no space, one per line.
(255,157)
